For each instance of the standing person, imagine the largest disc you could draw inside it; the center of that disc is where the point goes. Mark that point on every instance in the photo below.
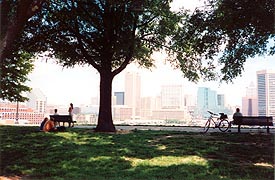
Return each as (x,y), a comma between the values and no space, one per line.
(55,112)
(71,109)
(71,112)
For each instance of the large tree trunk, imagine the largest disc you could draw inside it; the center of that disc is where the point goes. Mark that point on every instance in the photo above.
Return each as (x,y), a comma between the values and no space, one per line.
(105,121)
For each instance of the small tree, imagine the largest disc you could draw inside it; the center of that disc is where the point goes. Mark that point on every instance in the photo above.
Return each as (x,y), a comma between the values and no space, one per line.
(13,75)
(109,35)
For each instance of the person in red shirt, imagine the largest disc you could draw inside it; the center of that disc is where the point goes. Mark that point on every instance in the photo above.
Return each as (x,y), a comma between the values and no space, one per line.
(49,126)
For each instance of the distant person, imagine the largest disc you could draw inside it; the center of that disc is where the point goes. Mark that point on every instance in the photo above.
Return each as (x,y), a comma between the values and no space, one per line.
(49,126)
(43,123)
(71,109)
(236,115)
(55,112)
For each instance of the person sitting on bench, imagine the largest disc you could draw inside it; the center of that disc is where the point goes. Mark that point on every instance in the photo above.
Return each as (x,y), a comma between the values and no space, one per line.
(237,114)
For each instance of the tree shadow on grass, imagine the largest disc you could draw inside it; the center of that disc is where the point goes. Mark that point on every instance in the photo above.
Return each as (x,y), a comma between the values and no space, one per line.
(80,154)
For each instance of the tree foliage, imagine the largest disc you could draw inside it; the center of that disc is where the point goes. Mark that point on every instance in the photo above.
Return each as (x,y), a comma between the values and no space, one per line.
(231,30)
(107,35)
(14,16)
(14,72)
(15,64)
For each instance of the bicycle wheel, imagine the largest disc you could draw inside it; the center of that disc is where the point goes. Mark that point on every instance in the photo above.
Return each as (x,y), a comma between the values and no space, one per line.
(223,125)
(206,126)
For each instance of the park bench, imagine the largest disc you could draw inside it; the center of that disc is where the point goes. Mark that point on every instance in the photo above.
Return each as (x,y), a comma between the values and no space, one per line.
(253,121)
(63,118)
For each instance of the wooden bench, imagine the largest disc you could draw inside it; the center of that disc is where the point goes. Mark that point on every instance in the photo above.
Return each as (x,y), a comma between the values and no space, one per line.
(253,121)
(63,118)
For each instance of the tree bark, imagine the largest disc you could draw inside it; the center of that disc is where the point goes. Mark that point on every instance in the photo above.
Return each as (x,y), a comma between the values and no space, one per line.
(105,121)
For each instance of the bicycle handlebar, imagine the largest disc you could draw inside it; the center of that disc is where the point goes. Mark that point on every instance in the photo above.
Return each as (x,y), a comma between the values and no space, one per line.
(212,113)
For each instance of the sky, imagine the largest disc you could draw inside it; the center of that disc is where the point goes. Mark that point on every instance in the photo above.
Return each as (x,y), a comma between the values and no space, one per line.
(78,85)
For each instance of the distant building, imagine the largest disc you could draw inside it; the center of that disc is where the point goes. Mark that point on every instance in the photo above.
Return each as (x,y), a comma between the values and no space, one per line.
(147,105)
(171,97)
(169,114)
(266,92)
(133,93)
(206,99)
(250,101)
(119,98)
(37,101)
(122,113)
(26,115)
(189,100)
(221,101)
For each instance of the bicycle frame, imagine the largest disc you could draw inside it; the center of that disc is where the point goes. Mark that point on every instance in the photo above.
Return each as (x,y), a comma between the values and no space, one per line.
(221,122)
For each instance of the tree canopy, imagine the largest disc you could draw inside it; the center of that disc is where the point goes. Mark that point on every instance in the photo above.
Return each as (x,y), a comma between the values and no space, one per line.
(109,35)
(229,30)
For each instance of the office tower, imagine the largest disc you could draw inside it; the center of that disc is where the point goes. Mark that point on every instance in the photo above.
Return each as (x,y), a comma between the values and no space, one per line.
(171,97)
(37,100)
(132,93)
(221,101)
(119,98)
(266,92)
(207,99)
(189,100)
(250,101)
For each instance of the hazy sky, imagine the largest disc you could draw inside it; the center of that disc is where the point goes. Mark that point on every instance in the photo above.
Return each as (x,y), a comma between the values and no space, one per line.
(77,85)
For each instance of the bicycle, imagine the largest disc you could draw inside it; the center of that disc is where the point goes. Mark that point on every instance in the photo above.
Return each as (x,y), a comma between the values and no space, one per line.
(221,122)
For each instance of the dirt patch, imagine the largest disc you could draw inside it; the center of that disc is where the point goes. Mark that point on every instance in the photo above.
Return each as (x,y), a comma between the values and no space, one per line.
(10,177)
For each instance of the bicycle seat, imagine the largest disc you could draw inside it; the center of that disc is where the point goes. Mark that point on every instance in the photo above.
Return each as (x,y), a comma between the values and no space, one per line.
(223,116)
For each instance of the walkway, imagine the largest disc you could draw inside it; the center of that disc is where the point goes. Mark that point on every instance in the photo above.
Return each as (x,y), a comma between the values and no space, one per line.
(187,128)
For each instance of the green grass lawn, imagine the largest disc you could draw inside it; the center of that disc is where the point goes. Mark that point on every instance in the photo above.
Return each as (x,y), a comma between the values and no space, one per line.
(82,154)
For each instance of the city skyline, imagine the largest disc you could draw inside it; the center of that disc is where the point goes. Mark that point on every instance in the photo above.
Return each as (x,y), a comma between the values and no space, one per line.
(78,85)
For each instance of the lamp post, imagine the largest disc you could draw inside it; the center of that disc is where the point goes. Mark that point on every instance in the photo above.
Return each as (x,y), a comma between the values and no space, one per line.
(17,115)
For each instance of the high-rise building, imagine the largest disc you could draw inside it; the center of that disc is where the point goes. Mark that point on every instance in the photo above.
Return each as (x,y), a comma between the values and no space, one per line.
(221,101)
(171,97)
(133,93)
(250,101)
(37,101)
(266,92)
(207,99)
(119,98)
